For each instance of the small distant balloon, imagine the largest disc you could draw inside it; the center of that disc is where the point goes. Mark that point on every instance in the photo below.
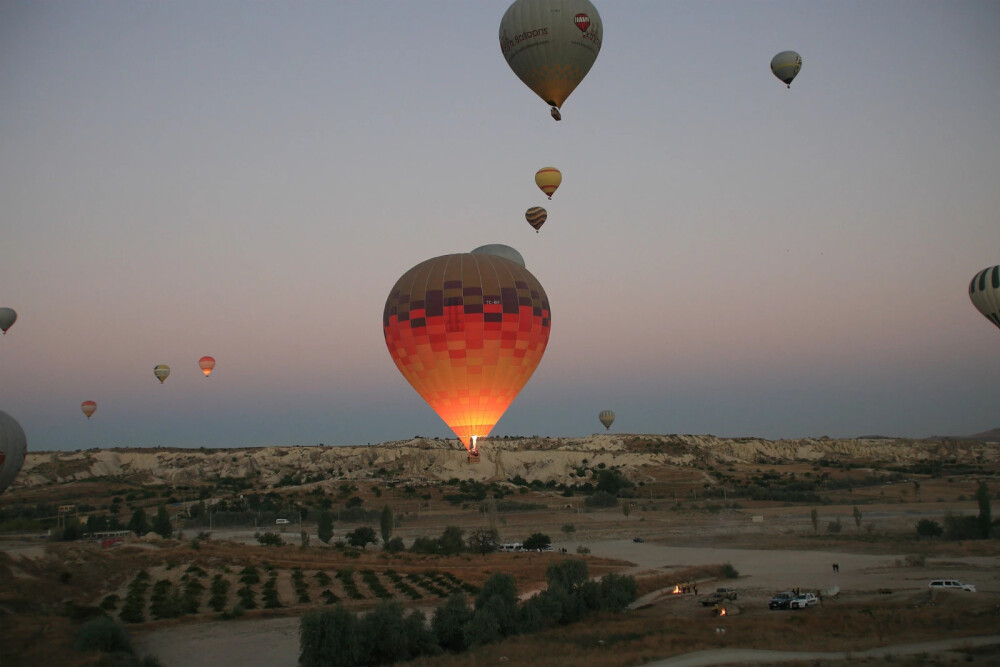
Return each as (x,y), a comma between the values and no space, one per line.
(89,408)
(786,66)
(7,318)
(536,217)
(984,290)
(207,364)
(13,446)
(607,418)
(548,180)
(161,371)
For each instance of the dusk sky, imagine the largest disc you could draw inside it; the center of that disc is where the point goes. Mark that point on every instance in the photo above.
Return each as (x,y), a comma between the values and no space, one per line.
(248,180)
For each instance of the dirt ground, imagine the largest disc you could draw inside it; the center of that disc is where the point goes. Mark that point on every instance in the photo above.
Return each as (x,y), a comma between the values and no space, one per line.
(878,578)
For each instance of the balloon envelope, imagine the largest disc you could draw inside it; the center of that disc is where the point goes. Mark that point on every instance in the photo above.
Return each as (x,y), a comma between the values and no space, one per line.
(548,180)
(207,364)
(786,66)
(89,408)
(467,331)
(536,216)
(501,250)
(161,371)
(7,318)
(607,418)
(13,446)
(551,44)
(984,290)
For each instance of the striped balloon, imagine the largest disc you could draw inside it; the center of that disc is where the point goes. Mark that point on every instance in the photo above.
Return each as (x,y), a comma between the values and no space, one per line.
(548,179)
(536,217)
(984,290)
(607,418)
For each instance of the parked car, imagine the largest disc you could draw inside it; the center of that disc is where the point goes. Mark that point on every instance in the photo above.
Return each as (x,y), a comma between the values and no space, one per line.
(638,539)
(781,600)
(952,585)
(803,600)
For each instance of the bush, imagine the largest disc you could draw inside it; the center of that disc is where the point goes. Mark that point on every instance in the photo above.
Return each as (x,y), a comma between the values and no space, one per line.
(269,539)
(834,526)
(395,545)
(730,572)
(929,528)
(601,499)
(329,639)
(449,621)
(105,635)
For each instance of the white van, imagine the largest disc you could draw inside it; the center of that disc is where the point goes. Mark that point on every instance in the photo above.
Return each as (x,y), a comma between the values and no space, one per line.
(281,522)
(952,585)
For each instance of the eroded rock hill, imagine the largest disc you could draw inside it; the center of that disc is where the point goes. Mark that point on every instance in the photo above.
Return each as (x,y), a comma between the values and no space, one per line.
(541,459)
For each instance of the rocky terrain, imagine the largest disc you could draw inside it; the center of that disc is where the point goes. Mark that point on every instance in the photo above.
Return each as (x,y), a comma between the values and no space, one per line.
(541,459)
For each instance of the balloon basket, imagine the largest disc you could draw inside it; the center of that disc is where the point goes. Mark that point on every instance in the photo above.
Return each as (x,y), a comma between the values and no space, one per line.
(473,456)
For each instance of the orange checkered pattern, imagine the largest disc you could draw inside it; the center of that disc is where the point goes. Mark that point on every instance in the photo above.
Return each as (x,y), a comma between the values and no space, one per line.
(467,331)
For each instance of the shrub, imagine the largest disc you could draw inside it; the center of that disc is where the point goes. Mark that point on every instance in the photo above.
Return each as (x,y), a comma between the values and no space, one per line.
(448,622)
(834,526)
(730,572)
(394,545)
(329,639)
(269,539)
(929,528)
(105,635)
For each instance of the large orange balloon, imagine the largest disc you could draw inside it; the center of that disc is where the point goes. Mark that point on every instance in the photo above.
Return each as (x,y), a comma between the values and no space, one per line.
(467,331)
(89,408)
(207,364)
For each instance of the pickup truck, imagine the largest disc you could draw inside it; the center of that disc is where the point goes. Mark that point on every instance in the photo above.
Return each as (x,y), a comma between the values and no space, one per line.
(718,596)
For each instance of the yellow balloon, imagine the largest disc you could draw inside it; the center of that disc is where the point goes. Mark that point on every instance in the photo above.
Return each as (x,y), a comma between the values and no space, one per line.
(548,179)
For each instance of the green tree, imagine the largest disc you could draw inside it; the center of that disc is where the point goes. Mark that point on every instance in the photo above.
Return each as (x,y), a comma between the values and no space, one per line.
(537,541)
(985,519)
(449,621)
(161,524)
(324,527)
(929,528)
(857,517)
(105,635)
(362,537)
(452,541)
(626,508)
(387,522)
(496,607)
(138,523)
(568,574)
(814,517)
(329,638)
(484,540)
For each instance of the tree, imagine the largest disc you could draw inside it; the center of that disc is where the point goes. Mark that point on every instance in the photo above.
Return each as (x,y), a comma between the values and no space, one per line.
(537,541)
(567,574)
(161,524)
(929,528)
(362,537)
(985,519)
(329,639)
(626,508)
(814,517)
(387,523)
(452,541)
(484,540)
(568,529)
(857,517)
(324,527)
(497,601)
(449,621)
(138,524)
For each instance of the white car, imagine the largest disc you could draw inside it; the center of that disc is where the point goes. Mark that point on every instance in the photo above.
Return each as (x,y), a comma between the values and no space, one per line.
(951,585)
(803,600)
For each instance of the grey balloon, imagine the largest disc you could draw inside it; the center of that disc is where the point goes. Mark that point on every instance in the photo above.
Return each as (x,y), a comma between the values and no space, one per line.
(500,250)
(13,446)
(7,318)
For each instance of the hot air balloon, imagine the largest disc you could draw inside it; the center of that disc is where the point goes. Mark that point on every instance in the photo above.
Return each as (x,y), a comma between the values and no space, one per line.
(548,180)
(467,331)
(607,418)
(7,318)
(536,217)
(13,446)
(207,364)
(786,65)
(161,371)
(501,250)
(551,45)
(984,290)
(89,408)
